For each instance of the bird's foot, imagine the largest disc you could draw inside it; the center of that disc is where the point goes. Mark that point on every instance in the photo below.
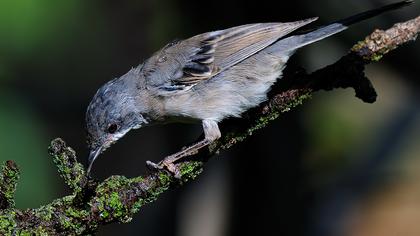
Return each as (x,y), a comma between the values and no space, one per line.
(172,168)
(153,166)
(167,165)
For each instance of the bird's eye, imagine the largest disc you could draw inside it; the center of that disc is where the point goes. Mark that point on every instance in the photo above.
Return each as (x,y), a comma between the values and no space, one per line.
(112,128)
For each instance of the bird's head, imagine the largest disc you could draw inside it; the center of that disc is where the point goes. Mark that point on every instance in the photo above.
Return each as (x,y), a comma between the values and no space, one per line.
(110,115)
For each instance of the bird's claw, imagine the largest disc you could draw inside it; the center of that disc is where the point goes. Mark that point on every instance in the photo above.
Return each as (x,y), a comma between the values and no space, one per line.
(165,165)
(170,166)
(153,166)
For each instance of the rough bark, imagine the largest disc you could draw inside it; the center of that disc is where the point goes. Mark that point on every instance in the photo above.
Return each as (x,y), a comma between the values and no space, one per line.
(117,198)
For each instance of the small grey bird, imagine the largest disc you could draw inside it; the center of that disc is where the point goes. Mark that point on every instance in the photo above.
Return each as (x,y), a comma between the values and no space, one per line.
(205,78)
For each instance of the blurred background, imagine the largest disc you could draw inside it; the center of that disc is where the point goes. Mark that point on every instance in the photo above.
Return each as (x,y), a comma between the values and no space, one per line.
(334,166)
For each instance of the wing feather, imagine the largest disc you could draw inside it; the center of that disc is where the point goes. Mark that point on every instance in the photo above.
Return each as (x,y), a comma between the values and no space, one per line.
(203,56)
(244,41)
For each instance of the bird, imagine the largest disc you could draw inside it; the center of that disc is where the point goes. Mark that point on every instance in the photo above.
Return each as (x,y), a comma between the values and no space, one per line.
(205,78)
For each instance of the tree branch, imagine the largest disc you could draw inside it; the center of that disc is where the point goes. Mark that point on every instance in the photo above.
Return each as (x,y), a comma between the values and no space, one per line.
(117,198)
(8,180)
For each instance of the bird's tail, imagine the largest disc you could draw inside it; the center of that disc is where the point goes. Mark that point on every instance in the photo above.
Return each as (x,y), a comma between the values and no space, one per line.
(301,38)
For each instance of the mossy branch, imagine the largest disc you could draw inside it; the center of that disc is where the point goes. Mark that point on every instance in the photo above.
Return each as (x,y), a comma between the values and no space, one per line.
(117,198)
(8,181)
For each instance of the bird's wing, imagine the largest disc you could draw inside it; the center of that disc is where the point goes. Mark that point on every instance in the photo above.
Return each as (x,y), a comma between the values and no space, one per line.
(199,58)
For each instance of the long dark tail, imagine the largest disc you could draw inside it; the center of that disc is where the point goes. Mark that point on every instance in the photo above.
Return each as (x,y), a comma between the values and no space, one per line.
(299,39)
(372,13)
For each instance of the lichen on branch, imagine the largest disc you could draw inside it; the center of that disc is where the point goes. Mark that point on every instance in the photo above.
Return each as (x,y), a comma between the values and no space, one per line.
(380,42)
(8,181)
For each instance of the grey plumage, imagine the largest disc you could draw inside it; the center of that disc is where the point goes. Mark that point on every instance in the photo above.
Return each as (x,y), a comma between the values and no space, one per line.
(206,78)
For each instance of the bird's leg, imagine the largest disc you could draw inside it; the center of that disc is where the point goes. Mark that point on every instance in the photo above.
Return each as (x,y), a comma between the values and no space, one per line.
(211,133)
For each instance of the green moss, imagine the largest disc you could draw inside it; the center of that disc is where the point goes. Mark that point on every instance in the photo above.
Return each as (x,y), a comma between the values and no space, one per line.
(137,205)
(45,213)
(376,57)
(65,222)
(262,122)
(71,219)
(71,225)
(109,203)
(38,232)
(25,233)
(111,207)
(136,179)
(7,222)
(296,102)
(12,174)
(164,178)
(76,217)
(114,182)
(153,192)
(371,56)
(358,46)
(76,213)
(190,170)
(69,169)
(104,214)
(115,204)
(9,178)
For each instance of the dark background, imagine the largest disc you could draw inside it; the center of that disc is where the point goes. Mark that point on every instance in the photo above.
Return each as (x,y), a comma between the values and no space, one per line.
(334,166)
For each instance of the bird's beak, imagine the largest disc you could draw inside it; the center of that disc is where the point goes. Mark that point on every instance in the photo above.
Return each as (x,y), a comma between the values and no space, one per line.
(92,157)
